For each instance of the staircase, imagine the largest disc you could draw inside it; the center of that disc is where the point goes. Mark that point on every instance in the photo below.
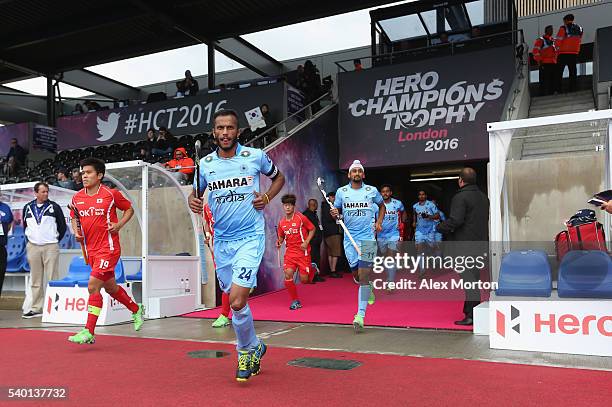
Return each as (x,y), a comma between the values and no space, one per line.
(563,139)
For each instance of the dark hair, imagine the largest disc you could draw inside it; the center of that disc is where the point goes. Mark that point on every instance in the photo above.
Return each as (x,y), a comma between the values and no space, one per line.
(225,112)
(331,193)
(383,186)
(313,200)
(39,184)
(357,61)
(163,129)
(468,175)
(421,190)
(153,129)
(62,170)
(569,17)
(288,199)
(94,162)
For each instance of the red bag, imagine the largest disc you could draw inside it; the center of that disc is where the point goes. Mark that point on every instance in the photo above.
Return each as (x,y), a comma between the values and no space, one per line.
(562,244)
(586,236)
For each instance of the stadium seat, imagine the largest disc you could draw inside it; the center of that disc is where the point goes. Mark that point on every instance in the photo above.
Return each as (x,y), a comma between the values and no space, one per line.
(15,249)
(525,274)
(585,274)
(67,241)
(137,276)
(77,271)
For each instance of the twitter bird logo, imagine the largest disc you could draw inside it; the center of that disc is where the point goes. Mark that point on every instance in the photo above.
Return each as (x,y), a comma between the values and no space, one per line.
(108,127)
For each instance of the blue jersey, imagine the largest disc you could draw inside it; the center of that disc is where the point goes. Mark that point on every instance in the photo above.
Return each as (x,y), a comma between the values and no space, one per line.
(390,226)
(425,225)
(231,185)
(356,205)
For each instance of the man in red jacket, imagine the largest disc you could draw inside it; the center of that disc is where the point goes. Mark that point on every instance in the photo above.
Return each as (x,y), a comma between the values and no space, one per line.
(569,38)
(545,54)
(181,165)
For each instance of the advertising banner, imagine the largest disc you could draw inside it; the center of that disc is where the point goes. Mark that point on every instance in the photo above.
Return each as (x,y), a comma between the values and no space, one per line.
(435,110)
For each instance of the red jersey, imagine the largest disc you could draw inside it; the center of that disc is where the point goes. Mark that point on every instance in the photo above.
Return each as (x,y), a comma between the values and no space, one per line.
(95,212)
(295,231)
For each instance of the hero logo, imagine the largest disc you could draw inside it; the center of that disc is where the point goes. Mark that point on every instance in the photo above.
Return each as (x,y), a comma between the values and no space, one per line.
(501,321)
(91,211)
(107,128)
(53,304)
(566,324)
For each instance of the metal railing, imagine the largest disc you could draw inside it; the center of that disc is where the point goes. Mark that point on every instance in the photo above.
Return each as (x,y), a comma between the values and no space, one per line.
(434,50)
(283,128)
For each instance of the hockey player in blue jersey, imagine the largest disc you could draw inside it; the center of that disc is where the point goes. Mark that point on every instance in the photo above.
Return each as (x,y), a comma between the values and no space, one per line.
(231,174)
(356,200)
(389,236)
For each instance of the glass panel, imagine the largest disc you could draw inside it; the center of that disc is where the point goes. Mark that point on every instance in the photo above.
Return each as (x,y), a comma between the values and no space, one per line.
(475,11)
(430,20)
(129,181)
(403,27)
(170,225)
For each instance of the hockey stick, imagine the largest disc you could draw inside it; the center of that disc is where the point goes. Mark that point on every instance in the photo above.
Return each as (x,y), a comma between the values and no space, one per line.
(321,185)
(77,219)
(197,147)
(278,250)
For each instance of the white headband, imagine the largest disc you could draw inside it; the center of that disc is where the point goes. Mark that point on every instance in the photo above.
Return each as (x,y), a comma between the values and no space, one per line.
(356,164)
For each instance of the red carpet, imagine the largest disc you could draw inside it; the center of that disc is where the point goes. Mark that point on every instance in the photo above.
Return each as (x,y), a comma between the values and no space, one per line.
(335,301)
(121,371)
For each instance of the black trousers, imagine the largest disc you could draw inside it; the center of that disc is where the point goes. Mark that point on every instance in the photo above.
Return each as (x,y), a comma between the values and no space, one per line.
(2,265)
(472,295)
(315,251)
(568,60)
(548,79)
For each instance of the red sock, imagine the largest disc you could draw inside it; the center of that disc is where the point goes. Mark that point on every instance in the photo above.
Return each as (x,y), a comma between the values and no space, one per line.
(225,305)
(121,296)
(292,289)
(311,274)
(94,305)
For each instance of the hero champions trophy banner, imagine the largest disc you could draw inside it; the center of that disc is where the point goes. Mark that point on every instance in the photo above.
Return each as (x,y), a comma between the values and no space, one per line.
(428,111)
(188,115)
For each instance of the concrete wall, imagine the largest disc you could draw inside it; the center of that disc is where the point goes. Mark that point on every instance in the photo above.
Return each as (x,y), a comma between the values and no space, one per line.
(590,17)
(540,204)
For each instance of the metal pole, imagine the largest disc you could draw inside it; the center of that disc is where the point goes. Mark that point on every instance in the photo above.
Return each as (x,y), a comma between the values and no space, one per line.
(144,255)
(50,102)
(211,64)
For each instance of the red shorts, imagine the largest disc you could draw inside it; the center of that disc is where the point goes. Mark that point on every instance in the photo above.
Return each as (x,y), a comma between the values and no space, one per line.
(103,265)
(297,261)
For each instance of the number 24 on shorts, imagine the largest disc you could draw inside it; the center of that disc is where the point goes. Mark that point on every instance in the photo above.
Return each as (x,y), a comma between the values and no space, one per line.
(245,274)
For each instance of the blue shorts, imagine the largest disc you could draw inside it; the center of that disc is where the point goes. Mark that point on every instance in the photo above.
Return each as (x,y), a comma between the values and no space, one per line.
(420,237)
(388,244)
(368,251)
(238,261)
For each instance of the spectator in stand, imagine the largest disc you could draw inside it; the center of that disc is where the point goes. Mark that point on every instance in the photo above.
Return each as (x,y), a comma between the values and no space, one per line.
(190,84)
(92,106)
(11,168)
(181,165)
(44,226)
(163,145)
(149,143)
(545,54)
(569,38)
(315,243)
(63,180)
(180,89)
(475,32)
(332,236)
(18,152)
(357,64)
(6,220)
(77,179)
(300,83)
(444,38)
(78,109)
(312,83)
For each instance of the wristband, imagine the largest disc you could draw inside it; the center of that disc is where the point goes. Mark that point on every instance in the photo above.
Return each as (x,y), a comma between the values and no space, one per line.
(267,198)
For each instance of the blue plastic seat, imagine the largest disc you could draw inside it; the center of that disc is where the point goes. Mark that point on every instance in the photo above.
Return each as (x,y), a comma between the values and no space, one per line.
(525,274)
(67,241)
(77,271)
(119,275)
(137,276)
(16,252)
(585,274)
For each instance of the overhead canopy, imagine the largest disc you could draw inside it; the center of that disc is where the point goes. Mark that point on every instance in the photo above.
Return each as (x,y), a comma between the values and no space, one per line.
(40,37)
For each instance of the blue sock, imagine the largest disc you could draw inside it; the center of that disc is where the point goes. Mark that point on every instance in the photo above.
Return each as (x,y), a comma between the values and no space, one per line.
(364,294)
(391,273)
(242,321)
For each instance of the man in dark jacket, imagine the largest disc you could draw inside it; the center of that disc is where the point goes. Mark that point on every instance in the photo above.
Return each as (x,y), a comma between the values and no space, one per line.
(315,243)
(332,235)
(468,222)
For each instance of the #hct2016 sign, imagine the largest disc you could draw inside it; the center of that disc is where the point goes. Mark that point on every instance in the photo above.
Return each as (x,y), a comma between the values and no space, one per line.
(188,115)
(428,111)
